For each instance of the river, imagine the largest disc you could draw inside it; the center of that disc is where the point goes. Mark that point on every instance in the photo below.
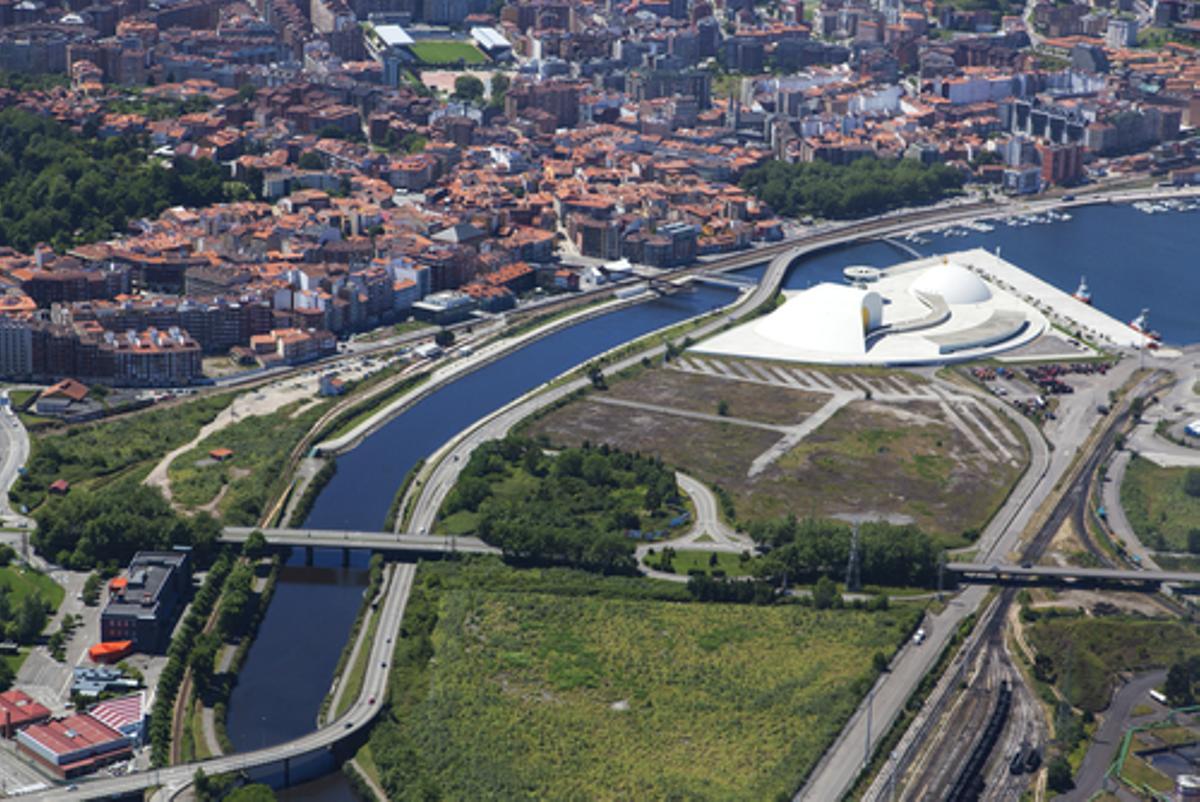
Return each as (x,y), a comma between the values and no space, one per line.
(1131,260)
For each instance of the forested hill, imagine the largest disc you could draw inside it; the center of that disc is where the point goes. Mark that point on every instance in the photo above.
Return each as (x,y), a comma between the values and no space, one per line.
(864,187)
(65,189)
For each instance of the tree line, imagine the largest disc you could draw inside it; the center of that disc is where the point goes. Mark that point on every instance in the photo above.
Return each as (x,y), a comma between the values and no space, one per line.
(64,188)
(803,551)
(107,526)
(862,188)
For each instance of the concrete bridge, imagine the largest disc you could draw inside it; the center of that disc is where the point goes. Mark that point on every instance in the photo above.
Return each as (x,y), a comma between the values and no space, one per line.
(346,539)
(1124,578)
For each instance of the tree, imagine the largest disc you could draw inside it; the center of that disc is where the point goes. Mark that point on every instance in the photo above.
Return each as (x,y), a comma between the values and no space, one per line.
(468,87)
(309,160)
(256,546)
(880,662)
(91,589)
(1193,541)
(1191,482)
(246,93)
(1178,687)
(7,675)
(1059,775)
(256,792)
(825,594)
(7,554)
(31,618)
(723,408)
(444,338)
(500,85)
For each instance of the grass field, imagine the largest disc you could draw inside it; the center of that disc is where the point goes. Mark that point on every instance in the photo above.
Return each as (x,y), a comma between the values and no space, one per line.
(238,488)
(1159,510)
(581,693)
(447,52)
(1088,653)
(889,459)
(22,582)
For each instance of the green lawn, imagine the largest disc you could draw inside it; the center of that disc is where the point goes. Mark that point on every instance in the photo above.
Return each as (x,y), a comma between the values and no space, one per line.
(448,52)
(507,692)
(22,581)
(1088,653)
(1159,511)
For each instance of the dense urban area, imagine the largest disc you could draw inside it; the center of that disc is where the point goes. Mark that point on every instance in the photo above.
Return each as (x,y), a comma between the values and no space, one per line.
(496,399)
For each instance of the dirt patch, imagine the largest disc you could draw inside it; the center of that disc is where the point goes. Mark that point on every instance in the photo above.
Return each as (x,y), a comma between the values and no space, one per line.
(697,392)
(1086,600)
(898,459)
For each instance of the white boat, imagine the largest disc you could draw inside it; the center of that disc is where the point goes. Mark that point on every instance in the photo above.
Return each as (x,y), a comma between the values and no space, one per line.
(1141,324)
(1082,293)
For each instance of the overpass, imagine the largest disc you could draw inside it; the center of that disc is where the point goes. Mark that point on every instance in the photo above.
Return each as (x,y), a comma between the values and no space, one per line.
(390,542)
(1126,578)
(348,730)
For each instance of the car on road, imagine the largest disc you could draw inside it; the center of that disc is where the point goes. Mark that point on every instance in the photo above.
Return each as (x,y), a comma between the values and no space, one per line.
(371,701)
(349,724)
(919,636)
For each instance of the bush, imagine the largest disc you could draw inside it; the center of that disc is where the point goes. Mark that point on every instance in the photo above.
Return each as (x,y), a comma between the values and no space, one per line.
(1191,482)
(1059,775)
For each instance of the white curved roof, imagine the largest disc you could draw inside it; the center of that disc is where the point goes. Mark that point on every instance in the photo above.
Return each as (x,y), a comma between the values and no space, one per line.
(954,283)
(827,318)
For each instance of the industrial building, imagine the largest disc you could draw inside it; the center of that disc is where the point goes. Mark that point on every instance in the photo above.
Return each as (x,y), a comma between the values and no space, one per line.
(144,605)
(18,710)
(75,745)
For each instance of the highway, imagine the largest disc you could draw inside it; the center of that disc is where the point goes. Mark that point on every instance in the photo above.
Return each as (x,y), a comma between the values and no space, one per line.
(356,718)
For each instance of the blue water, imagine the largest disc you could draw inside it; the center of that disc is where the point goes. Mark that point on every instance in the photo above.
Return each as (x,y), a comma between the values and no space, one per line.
(290,666)
(1132,260)
(361,491)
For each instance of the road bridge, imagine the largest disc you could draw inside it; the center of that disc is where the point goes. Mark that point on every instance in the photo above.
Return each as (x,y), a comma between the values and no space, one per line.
(389,542)
(1127,578)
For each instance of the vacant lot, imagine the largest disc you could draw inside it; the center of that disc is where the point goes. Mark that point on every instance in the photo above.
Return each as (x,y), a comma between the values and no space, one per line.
(561,695)
(891,459)
(447,52)
(699,393)
(237,489)
(1088,653)
(1159,510)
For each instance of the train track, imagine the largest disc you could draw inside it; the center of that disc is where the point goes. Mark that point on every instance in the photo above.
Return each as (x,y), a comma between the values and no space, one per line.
(968,715)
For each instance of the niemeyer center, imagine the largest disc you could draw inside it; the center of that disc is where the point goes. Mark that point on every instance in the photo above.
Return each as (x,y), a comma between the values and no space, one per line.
(933,310)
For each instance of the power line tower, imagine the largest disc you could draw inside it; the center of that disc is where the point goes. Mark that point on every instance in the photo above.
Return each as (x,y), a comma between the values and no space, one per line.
(853,580)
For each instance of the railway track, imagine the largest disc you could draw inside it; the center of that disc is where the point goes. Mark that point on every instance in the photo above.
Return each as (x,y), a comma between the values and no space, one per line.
(946,752)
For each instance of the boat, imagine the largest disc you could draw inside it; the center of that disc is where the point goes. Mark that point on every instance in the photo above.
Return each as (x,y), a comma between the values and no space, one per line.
(1141,324)
(1082,293)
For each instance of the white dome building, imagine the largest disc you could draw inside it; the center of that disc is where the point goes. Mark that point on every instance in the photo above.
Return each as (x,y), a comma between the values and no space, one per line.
(953,283)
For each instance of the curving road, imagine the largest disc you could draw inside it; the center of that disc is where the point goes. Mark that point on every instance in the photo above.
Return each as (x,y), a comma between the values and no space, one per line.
(14,450)
(359,716)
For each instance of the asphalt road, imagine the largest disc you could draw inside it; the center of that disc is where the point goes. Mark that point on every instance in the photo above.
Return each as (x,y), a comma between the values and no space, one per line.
(1090,777)
(14,450)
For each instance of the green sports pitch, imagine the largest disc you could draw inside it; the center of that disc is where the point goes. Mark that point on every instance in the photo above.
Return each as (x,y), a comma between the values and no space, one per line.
(447,52)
